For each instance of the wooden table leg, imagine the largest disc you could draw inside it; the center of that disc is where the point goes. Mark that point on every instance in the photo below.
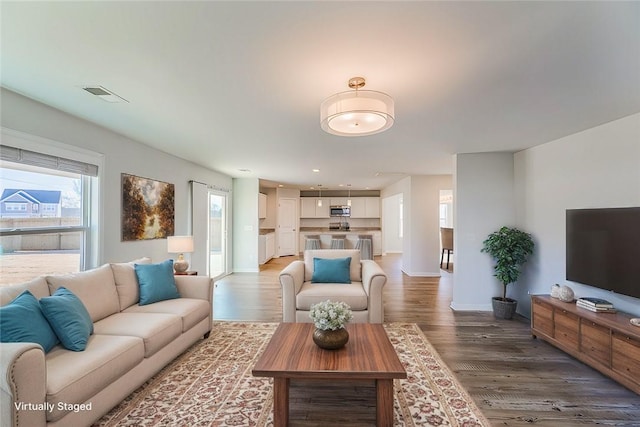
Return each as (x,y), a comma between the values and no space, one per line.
(280,402)
(384,403)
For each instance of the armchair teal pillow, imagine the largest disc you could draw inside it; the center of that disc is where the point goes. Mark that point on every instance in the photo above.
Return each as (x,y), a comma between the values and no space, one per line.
(156,282)
(331,270)
(22,321)
(69,318)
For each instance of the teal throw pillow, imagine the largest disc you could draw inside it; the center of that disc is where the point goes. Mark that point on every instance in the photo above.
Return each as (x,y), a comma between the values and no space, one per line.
(22,321)
(69,318)
(156,282)
(331,270)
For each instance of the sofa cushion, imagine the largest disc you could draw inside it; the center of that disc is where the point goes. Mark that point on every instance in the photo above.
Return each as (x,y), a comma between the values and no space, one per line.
(69,318)
(331,270)
(38,288)
(156,282)
(22,321)
(156,329)
(355,268)
(124,274)
(95,288)
(75,377)
(190,310)
(353,294)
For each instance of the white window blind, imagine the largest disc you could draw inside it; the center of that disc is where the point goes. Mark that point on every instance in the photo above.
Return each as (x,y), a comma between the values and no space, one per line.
(18,155)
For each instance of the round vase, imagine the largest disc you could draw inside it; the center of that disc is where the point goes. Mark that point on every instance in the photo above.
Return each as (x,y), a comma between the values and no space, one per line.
(330,340)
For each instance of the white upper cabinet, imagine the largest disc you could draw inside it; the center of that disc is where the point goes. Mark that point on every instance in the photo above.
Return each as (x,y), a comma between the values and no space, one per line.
(309,207)
(338,201)
(365,207)
(262,205)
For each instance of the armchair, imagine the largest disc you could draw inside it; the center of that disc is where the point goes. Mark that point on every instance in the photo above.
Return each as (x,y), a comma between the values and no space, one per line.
(363,294)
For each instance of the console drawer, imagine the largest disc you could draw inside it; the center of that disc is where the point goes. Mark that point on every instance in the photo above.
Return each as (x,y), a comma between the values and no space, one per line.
(595,342)
(566,328)
(625,358)
(542,317)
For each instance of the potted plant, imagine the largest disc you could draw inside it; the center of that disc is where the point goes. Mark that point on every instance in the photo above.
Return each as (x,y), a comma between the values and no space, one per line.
(510,248)
(329,319)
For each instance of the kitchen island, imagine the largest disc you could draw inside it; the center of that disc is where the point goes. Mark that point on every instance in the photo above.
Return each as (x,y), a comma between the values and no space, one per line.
(351,237)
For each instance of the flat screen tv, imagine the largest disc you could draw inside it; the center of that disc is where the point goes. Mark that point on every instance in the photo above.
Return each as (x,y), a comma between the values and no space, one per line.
(603,248)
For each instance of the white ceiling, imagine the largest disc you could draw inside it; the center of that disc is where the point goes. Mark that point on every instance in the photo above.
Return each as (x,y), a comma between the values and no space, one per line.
(238,85)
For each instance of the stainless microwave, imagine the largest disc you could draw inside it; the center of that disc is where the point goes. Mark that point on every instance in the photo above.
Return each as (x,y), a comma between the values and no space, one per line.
(340,211)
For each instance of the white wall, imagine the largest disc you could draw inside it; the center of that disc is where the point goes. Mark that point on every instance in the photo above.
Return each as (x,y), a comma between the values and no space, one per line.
(484,202)
(391,240)
(245,225)
(122,155)
(596,168)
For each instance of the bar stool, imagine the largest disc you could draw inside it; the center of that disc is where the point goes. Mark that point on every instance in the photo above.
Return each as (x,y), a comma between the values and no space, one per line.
(365,244)
(312,242)
(337,241)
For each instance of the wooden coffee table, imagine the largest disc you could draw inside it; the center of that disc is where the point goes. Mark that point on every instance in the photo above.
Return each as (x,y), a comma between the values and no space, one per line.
(368,355)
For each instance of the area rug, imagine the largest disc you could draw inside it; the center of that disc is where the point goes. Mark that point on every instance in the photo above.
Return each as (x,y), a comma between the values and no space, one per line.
(211,385)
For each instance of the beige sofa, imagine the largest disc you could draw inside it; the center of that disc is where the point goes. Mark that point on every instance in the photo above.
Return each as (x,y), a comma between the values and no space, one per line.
(363,294)
(129,345)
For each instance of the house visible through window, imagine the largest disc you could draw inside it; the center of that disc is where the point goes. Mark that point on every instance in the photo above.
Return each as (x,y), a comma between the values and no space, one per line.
(45,214)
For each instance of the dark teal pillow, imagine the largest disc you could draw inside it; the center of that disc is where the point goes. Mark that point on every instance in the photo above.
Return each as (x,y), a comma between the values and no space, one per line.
(69,318)
(156,282)
(22,321)
(331,270)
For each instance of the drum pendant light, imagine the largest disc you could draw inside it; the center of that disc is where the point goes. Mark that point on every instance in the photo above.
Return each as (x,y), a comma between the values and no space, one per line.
(357,112)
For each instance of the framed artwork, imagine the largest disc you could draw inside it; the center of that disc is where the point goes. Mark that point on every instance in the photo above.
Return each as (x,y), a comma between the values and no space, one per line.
(147,208)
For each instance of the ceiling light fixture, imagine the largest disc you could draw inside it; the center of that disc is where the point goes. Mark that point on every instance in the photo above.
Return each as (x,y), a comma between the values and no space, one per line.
(357,112)
(349,196)
(319,195)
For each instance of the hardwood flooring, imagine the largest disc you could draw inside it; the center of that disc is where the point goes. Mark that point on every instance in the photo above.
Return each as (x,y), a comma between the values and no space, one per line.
(514,379)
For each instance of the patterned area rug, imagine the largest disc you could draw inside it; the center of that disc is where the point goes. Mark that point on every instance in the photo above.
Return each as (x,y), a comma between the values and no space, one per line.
(211,385)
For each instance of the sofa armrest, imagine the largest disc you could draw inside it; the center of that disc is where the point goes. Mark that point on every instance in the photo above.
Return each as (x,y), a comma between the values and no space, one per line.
(23,385)
(373,280)
(198,287)
(291,279)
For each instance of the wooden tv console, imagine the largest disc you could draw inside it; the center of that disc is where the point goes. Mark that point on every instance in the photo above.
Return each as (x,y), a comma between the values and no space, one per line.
(604,341)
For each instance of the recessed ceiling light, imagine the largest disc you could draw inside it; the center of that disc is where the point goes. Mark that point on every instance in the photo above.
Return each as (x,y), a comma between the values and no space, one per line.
(104,94)
(316,170)
(280,185)
(245,170)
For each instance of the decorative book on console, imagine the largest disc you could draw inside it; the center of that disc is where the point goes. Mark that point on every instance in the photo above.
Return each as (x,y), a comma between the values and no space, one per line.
(598,305)
(595,302)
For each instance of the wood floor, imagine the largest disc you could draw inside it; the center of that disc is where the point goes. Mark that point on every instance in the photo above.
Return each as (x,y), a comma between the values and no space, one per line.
(514,379)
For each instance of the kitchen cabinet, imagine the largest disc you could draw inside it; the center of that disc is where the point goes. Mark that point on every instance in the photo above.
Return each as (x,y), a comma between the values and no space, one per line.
(605,341)
(365,207)
(338,201)
(262,205)
(266,247)
(309,207)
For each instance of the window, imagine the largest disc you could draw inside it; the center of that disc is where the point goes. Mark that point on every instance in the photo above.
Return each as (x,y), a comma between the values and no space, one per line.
(46,215)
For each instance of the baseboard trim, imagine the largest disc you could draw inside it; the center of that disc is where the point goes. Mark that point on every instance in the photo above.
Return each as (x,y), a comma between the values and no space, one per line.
(470,307)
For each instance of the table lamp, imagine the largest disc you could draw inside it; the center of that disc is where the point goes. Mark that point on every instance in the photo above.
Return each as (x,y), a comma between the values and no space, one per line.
(180,245)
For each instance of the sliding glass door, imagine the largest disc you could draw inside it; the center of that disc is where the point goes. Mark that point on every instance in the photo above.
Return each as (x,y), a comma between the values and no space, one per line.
(217,234)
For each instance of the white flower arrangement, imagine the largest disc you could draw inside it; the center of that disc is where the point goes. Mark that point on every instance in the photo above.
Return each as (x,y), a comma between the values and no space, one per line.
(328,315)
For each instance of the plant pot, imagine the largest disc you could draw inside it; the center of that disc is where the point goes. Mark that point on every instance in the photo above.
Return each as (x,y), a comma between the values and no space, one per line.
(503,308)
(330,340)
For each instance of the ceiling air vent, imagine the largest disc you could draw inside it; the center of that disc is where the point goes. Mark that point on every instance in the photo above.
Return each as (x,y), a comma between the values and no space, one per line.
(104,94)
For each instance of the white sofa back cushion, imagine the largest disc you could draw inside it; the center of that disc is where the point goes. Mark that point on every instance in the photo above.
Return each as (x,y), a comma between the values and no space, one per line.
(126,280)
(96,289)
(355,268)
(38,287)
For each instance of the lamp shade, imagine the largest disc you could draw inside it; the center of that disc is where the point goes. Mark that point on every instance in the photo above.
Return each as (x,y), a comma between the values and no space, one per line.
(357,113)
(179,244)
